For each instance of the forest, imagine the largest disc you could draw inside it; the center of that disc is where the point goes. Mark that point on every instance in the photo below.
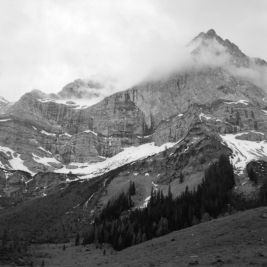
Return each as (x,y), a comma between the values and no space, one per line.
(58,217)
(52,219)
(122,226)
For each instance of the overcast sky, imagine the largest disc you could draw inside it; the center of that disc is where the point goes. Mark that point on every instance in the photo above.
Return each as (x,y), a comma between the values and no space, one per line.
(46,44)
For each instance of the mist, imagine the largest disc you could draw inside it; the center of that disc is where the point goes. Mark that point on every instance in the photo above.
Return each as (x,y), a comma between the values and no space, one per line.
(47,44)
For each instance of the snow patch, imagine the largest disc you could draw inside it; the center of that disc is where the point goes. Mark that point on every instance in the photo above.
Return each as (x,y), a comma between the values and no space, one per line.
(145,136)
(253,131)
(44,150)
(66,134)
(46,133)
(16,162)
(129,155)
(244,102)
(206,117)
(26,182)
(44,160)
(46,100)
(86,203)
(79,103)
(5,120)
(244,151)
(145,203)
(89,131)
(34,128)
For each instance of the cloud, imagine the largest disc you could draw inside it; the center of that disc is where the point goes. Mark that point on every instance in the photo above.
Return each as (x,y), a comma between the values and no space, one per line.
(255,74)
(210,53)
(46,44)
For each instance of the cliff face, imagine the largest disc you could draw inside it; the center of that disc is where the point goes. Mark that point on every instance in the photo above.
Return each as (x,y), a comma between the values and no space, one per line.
(44,134)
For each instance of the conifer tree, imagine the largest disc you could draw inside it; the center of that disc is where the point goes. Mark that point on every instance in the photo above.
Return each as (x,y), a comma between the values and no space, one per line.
(77,240)
(181,178)
(4,238)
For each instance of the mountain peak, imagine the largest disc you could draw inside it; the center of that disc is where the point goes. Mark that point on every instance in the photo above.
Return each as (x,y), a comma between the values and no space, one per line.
(211,42)
(211,33)
(3,100)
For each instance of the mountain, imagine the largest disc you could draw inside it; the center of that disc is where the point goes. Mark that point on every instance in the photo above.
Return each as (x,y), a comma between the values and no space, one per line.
(61,162)
(214,104)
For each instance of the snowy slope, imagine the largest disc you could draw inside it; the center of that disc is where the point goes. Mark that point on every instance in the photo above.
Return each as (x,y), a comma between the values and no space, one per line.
(78,104)
(85,170)
(44,160)
(16,162)
(244,151)
(129,155)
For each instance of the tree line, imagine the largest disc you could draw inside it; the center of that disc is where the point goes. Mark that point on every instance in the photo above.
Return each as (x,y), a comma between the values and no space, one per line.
(122,227)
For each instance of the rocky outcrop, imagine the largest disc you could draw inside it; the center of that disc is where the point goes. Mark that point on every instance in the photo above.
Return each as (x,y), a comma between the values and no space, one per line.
(45,134)
(196,150)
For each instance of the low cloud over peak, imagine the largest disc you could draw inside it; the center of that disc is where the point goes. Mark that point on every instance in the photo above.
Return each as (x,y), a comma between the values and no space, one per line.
(46,44)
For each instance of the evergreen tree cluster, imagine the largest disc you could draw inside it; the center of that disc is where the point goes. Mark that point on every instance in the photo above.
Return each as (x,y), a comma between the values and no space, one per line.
(263,195)
(132,188)
(252,175)
(164,214)
(105,226)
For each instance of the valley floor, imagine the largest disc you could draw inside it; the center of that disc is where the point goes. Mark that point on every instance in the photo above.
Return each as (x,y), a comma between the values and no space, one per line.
(236,240)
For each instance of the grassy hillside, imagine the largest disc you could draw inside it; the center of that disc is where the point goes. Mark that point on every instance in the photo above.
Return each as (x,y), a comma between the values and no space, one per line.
(234,241)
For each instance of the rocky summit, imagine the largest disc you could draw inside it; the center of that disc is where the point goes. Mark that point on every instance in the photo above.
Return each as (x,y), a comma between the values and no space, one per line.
(211,105)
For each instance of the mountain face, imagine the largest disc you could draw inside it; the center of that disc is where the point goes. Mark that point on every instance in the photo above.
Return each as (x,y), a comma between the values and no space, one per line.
(195,109)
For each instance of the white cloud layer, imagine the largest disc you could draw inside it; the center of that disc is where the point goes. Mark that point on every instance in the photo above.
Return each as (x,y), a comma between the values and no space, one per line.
(46,44)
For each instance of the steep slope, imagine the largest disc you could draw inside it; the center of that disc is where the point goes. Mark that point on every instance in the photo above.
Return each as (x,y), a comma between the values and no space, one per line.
(153,134)
(50,134)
